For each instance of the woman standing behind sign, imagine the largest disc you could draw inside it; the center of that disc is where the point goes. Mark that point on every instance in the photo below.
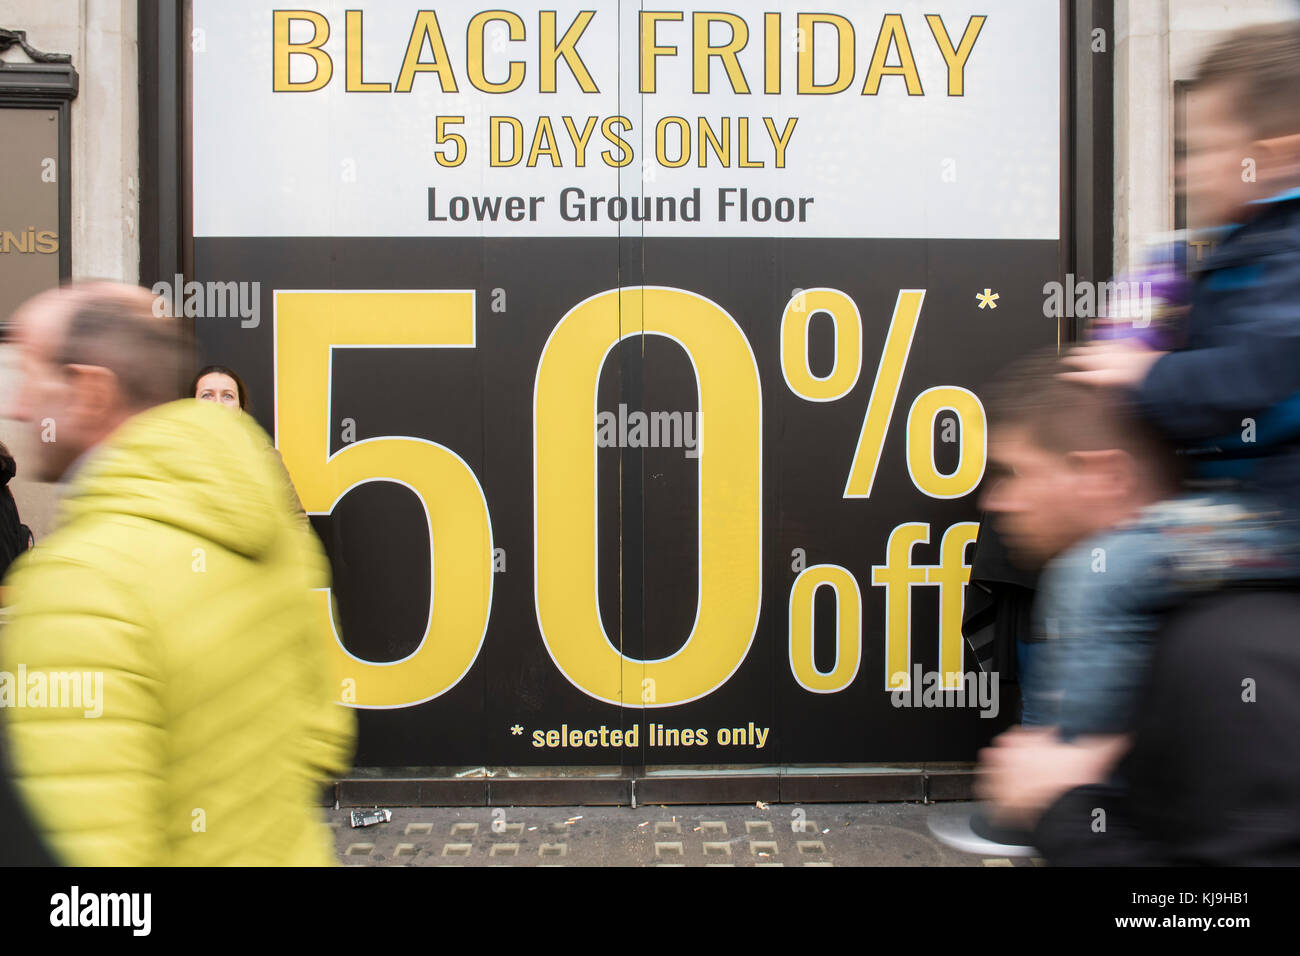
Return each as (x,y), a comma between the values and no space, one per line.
(216,383)
(15,537)
(19,844)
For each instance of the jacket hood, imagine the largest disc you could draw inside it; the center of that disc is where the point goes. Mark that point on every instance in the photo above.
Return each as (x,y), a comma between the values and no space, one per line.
(193,465)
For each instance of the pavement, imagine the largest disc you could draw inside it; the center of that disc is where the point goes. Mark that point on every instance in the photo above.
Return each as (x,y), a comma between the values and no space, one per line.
(823,834)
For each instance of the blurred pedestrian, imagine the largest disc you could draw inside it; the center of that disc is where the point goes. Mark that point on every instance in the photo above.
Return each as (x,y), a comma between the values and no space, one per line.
(1082,486)
(1231,397)
(19,843)
(175,595)
(1213,774)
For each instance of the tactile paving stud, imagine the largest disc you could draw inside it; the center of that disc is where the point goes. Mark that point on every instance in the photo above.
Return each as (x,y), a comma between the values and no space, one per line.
(761,847)
(819,863)
(504,849)
(998,861)
(418,828)
(667,826)
(557,828)
(667,849)
(758,826)
(359,849)
(717,848)
(809,847)
(719,864)
(456,849)
(510,829)
(405,849)
(464,829)
(769,864)
(713,827)
(553,849)
(809,826)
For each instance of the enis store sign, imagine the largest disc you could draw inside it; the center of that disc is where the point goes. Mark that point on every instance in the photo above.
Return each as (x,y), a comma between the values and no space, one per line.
(628,358)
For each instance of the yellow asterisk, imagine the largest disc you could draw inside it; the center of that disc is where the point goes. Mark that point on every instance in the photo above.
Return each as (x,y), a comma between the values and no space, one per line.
(987,298)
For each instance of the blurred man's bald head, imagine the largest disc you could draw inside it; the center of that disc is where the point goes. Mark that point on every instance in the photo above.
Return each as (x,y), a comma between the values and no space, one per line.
(112,326)
(93,354)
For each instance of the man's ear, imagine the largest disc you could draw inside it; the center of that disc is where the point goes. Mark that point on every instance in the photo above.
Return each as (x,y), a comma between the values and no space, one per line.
(96,395)
(1107,473)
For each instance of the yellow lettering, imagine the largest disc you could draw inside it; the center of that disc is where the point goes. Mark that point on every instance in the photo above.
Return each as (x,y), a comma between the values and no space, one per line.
(772,53)
(780,140)
(517,141)
(426,26)
(607,129)
(848,345)
(844,38)
(897,576)
(355,82)
(544,143)
(284,51)
(968,410)
(474,47)
(892,32)
(721,148)
(308,325)
(580,139)
(956,59)
(848,628)
(952,575)
(704,51)
(650,48)
(730,536)
(661,141)
(550,52)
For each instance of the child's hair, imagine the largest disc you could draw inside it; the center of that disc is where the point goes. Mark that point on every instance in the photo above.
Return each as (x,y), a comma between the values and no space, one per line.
(1061,416)
(1263,63)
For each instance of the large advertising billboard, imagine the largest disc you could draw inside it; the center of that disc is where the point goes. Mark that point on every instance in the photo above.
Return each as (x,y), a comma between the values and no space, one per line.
(627,357)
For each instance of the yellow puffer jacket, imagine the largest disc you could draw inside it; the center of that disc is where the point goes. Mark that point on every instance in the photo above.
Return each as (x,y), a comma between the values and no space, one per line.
(177,572)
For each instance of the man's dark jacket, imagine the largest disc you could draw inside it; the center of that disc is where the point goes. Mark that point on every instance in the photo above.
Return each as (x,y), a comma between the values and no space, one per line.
(1213,778)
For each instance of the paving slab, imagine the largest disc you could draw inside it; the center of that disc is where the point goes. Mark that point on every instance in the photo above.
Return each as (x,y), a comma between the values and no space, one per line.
(821,834)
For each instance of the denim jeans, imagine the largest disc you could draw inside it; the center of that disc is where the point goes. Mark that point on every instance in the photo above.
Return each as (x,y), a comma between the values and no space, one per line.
(1033,712)
(1101,603)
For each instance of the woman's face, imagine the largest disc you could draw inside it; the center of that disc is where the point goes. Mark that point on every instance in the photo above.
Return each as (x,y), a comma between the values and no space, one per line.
(216,387)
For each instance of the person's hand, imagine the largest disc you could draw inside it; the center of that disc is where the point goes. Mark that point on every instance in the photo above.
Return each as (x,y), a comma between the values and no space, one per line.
(1123,364)
(1026,770)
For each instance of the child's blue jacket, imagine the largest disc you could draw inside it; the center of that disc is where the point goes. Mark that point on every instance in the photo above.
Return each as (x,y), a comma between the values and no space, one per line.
(1242,355)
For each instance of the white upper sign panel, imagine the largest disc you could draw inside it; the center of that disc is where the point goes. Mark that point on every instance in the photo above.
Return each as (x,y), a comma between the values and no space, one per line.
(933,119)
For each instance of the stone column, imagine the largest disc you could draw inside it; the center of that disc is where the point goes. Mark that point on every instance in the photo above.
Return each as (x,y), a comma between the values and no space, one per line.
(101,37)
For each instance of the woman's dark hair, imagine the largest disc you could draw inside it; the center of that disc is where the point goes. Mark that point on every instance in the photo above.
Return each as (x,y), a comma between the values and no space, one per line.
(15,537)
(221,370)
(8,467)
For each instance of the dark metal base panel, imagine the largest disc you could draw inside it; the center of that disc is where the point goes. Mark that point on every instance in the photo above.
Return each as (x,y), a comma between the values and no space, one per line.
(686,790)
